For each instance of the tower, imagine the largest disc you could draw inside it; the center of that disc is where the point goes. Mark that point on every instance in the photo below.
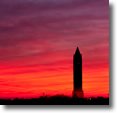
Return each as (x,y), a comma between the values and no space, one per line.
(77,74)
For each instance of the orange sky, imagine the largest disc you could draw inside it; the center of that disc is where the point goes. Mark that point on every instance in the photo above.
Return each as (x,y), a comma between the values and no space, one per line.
(37,43)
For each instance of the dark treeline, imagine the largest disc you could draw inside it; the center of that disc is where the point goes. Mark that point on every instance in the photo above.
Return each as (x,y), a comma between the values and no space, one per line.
(56,100)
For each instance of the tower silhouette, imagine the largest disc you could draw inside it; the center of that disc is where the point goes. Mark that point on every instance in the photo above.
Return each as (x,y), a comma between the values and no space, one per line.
(77,74)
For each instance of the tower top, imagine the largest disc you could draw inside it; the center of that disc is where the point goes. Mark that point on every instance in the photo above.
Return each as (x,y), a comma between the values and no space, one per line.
(77,51)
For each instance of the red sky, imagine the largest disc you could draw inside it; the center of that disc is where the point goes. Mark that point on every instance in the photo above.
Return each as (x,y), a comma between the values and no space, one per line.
(38,39)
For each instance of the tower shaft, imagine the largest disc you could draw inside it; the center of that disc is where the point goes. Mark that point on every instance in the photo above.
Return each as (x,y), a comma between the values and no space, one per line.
(77,74)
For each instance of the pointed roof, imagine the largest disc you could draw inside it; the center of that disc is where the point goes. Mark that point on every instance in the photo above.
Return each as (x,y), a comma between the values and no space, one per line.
(77,51)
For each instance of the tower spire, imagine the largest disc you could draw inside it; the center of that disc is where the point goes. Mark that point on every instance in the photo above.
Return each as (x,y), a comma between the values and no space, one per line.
(77,51)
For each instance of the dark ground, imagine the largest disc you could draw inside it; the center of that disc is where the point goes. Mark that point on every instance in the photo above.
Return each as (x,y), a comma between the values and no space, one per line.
(56,100)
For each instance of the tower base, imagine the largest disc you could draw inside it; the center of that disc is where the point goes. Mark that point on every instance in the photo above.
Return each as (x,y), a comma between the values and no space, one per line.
(78,94)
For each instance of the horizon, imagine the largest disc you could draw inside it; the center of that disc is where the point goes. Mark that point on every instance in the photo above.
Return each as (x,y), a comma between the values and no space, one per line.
(38,40)
(48,96)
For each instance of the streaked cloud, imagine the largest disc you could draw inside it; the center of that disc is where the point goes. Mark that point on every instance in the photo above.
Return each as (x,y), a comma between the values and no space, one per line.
(41,36)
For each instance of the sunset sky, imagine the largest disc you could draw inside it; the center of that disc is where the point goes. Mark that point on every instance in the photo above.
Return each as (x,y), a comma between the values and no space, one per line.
(38,39)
